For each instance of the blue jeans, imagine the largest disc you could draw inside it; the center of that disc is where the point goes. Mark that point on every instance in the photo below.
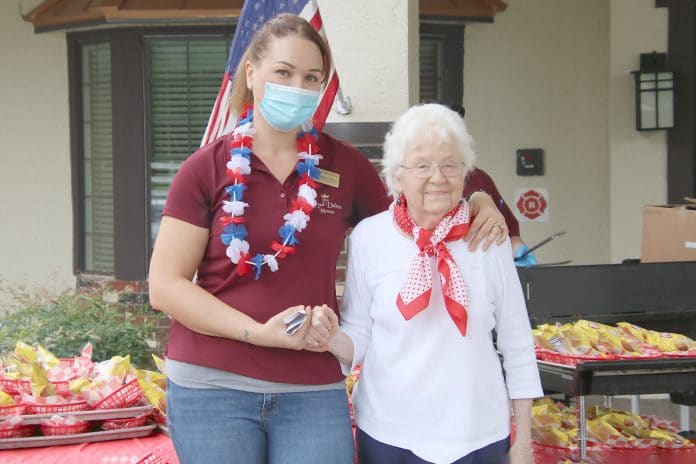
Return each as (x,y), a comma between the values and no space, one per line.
(371,451)
(231,426)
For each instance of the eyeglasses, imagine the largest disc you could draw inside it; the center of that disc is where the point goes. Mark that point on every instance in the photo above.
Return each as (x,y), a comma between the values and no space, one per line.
(426,171)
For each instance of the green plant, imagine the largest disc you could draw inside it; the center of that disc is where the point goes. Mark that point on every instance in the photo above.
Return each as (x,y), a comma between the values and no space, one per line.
(64,323)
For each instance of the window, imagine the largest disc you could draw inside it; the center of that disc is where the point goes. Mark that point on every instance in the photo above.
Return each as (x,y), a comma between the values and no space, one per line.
(98,194)
(441,62)
(184,78)
(140,101)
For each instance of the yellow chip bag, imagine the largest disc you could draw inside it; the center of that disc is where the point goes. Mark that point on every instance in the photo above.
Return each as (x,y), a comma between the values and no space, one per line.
(160,364)
(81,384)
(550,404)
(25,352)
(611,343)
(666,341)
(601,430)
(551,436)
(623,420)
(578,342)
(156,396)
(590,329)
(632,329)
(38,380)
(118,366)
(6,399)
(46,358)
(668,436)
(568,421)
(151,376)
(546,419)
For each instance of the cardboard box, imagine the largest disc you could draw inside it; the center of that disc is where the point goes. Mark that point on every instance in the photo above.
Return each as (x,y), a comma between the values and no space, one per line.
(669,233)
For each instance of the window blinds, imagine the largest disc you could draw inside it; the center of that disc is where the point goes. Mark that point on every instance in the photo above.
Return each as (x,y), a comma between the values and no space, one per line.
(184,75)
(97,181)
(432,67)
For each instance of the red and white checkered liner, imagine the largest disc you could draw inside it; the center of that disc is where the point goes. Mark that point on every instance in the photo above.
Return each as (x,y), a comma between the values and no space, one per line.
(13,428)
(70,369)
(113,395)
(12,409)
(59,425)
(53,404)
(8,385)
(117,424)
(621,442)
(94,395)
(657,422)
(10,422)
(159,416)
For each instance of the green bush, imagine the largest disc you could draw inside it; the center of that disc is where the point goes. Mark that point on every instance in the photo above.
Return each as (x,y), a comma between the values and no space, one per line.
(64,323)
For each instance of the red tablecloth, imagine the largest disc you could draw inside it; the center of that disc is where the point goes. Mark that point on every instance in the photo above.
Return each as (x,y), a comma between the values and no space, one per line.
(128,451)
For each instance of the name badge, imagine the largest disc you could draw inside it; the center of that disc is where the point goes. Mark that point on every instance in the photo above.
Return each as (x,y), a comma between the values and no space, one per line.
(330,178)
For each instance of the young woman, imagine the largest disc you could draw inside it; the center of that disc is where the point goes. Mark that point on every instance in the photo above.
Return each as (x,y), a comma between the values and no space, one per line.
(251,232)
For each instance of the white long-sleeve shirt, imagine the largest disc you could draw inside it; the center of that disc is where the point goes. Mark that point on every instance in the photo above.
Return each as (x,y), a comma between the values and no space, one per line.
(424,387)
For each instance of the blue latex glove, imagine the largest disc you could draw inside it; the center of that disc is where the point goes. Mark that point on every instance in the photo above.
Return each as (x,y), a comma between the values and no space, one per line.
(529,260)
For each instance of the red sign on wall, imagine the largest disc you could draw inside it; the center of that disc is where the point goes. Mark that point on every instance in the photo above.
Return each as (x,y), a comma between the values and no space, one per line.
(532,204)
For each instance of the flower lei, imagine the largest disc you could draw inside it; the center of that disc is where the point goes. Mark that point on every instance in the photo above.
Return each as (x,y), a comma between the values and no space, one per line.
(297,217)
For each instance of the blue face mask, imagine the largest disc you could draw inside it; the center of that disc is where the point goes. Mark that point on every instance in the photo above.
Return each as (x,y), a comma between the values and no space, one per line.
(285,108)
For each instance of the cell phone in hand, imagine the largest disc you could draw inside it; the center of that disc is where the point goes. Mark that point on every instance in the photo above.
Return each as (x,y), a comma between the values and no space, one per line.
(295,321)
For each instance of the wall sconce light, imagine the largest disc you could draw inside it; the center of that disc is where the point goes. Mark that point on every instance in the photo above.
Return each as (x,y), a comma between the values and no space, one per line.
(654,93)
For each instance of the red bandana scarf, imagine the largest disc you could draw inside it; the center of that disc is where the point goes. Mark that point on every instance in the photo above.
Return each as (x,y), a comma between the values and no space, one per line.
(414,295)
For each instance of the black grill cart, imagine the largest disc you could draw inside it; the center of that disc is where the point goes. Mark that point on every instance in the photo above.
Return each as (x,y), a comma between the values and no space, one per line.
(656,296)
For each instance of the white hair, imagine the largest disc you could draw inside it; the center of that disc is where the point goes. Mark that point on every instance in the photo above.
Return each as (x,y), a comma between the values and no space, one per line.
(429,123)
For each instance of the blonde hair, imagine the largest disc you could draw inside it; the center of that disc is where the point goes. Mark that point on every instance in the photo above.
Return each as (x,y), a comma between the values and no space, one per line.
(283,25)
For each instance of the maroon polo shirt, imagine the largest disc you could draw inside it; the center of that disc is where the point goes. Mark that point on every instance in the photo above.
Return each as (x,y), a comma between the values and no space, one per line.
(477,179)
(305,278)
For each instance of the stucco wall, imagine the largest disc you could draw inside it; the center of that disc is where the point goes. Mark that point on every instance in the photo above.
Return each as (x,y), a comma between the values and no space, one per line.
(638,159)
(35,204)
(537,78)
(371,52)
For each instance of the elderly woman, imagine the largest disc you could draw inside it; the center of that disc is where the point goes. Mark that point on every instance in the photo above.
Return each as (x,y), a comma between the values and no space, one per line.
(419,313)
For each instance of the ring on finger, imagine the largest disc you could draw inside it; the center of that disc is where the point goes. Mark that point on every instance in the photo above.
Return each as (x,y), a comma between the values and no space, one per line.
(498,225)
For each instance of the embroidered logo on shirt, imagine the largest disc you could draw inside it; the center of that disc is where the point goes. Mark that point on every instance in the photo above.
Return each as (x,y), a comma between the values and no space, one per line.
(326,206)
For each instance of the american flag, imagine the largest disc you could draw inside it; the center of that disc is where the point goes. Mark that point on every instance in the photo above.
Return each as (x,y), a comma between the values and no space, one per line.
(254,14)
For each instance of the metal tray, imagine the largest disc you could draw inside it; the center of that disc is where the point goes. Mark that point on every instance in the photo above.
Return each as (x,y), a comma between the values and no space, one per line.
(105,435)
(91,415)
(673,375)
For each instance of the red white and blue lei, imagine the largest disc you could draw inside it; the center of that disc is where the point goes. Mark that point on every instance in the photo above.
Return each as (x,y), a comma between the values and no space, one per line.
(234,228)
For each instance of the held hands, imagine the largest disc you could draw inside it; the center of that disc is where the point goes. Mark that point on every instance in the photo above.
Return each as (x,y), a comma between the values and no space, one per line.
(488,222)
(314,335)
(272,333)
(323,326)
